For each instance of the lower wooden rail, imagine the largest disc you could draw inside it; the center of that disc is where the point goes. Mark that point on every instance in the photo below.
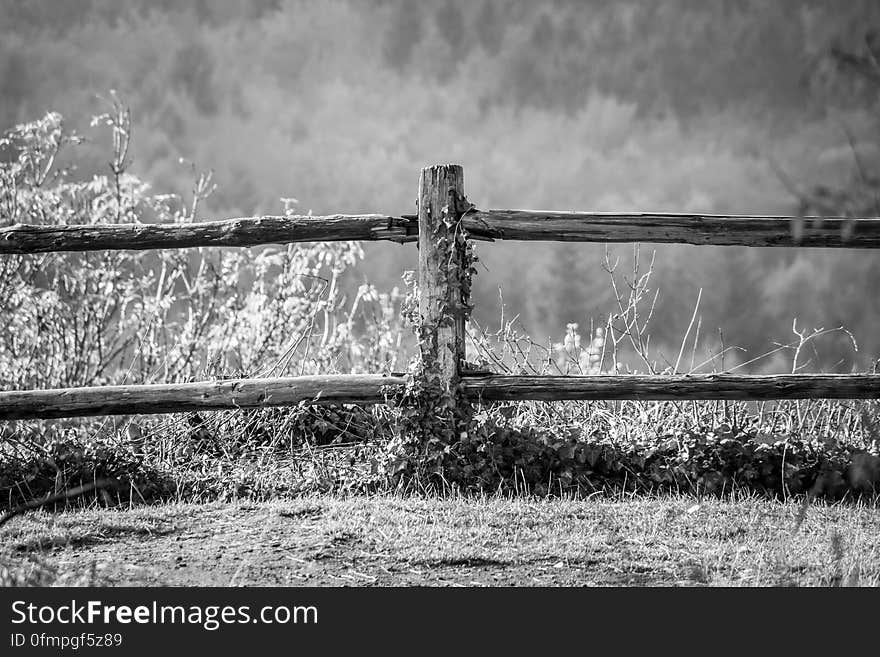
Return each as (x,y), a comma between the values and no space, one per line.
(197,396)
(373,389)
(695,386)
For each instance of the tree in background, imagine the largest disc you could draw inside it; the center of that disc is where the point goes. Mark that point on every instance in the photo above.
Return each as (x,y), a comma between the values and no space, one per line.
(584,105)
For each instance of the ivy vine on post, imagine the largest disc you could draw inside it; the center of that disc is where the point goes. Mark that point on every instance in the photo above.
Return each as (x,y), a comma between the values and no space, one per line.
(442,308)
(436,414)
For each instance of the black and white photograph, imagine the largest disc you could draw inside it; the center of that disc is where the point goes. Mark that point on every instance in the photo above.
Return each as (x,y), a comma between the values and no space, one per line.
(464,293)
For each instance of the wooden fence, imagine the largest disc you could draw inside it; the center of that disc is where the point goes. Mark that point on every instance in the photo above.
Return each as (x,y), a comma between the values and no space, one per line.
(443,213)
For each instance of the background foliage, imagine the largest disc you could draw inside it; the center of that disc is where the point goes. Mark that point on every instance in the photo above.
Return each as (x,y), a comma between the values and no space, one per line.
(664,106)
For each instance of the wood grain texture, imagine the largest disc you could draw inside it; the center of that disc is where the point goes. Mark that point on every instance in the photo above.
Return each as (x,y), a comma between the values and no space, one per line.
(700,229)
(440,299)
(204,395)
(701,386)
(245,231)
(484,225)
(371,389)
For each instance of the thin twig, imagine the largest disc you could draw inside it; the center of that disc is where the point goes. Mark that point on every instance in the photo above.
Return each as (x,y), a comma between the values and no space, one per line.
(60,497)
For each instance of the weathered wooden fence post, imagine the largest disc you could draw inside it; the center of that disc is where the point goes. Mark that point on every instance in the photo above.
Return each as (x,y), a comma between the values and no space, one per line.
(443,298)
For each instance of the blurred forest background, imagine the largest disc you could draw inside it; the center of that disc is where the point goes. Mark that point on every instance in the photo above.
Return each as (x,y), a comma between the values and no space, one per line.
(731,106)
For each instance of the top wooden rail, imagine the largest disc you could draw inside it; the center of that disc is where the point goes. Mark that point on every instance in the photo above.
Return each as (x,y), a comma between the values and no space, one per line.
(700,229)
(244,231)
(531,225)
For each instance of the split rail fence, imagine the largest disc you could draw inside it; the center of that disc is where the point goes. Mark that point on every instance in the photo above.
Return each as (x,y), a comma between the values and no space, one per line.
(442,211)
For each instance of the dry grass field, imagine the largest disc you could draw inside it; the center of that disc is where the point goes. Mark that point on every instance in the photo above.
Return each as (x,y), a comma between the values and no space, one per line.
(489,541)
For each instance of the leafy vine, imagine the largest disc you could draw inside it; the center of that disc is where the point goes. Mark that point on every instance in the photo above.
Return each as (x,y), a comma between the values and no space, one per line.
(433,417)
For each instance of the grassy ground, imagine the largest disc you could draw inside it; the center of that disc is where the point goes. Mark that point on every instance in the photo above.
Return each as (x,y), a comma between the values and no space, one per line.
(386,540)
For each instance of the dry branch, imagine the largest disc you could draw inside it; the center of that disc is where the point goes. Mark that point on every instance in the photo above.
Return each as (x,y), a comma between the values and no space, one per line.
(100,484)
(204,395)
